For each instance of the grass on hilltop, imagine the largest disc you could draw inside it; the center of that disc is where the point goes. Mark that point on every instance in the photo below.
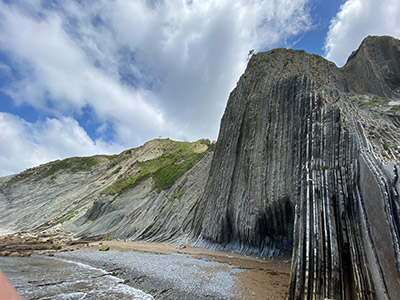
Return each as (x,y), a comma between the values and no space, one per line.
(165,169)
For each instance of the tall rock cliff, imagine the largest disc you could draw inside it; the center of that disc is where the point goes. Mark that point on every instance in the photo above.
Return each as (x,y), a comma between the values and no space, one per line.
(302,160)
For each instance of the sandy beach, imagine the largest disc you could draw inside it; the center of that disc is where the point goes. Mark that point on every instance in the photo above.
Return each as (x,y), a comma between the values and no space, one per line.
(224,275)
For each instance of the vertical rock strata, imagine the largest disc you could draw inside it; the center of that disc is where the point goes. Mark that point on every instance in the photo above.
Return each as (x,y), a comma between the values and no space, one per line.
(297,164)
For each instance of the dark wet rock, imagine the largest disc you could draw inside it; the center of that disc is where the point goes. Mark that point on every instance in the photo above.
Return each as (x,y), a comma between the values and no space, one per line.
(22,244)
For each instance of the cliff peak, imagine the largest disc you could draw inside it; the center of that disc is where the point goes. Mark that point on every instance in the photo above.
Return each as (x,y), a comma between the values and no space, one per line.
(374,68)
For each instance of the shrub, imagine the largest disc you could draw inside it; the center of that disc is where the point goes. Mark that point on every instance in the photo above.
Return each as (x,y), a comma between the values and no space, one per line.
(385,146)
(384,155)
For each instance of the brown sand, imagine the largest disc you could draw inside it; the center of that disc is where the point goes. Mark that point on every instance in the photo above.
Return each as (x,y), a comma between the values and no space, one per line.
(262,278)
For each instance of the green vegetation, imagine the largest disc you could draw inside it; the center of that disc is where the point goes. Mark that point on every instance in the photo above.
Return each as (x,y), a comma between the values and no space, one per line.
(113,172)
(165,169)
(211,147)
(116,170)
(118,158)
(371,132)
(325,168)
(126,183)
(204,142)
(375,101)
(74,164)
(177,195)
(69,217)
(385,146)
(384,155)
(108,238)
(104,248)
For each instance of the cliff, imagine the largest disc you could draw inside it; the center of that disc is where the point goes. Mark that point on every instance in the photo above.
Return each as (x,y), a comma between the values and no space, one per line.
(307,160)
(307,157)
(375,68)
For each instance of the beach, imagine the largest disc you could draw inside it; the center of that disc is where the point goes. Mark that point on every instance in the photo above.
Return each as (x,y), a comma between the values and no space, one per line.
(141,270)
(169,271)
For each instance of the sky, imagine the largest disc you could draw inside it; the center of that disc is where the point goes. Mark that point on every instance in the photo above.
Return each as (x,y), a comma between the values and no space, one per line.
(79,78)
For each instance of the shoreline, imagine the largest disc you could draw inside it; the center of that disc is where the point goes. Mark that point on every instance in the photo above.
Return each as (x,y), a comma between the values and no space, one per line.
(203,273)
(164,270)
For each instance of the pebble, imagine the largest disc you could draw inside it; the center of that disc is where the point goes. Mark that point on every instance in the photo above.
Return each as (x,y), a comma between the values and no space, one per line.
(186,273)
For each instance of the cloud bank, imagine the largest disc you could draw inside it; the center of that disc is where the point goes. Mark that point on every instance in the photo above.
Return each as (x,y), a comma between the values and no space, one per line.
(135,69)
(356,20)
(25,144)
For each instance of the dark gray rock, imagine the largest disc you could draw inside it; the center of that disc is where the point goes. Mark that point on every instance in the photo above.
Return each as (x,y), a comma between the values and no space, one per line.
(300,161)
(375,67)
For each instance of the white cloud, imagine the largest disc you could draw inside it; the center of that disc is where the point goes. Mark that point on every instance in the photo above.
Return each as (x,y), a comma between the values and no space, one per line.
(24,144)
(147,68)
(356,20)
(60,72)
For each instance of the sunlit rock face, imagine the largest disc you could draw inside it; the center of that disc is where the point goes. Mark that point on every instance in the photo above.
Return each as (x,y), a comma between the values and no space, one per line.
(300,163)
(375,68)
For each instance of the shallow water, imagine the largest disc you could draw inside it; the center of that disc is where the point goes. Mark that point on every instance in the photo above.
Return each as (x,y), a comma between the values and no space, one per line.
(39,277)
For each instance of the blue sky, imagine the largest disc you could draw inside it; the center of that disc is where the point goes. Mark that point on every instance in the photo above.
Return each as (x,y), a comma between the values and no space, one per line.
(80,78)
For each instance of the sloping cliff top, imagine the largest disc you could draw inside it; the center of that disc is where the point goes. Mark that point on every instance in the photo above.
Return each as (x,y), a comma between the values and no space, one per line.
(374,68)
(60,192)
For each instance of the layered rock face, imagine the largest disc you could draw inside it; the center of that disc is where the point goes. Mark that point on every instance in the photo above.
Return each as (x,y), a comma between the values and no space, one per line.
(300,160)
(145,193)
(375,68)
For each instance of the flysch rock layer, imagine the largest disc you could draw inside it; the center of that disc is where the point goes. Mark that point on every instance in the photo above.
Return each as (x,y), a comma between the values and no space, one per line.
(307,160)
(308,156)
(76,196)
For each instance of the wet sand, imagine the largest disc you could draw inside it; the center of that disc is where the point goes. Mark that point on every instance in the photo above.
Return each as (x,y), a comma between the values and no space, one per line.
(261,278)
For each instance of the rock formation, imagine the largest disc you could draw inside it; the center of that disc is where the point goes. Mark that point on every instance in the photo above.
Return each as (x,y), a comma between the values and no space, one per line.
(307,160)
(144,193)
(302,160)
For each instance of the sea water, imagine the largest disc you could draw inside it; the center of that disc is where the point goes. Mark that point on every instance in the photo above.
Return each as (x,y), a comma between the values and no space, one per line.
(40,277)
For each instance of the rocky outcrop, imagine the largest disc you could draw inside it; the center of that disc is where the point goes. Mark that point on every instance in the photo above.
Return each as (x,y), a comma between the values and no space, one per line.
(302,161)
(307,160)
(22,244)
(145,213)
(144,193)
(375,68)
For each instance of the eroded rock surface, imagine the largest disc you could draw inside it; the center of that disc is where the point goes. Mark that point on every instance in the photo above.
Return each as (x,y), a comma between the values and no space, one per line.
(144,193)
(301,161)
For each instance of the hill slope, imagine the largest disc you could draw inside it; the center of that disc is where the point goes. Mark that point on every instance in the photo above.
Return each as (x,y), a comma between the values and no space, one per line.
(139,193)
